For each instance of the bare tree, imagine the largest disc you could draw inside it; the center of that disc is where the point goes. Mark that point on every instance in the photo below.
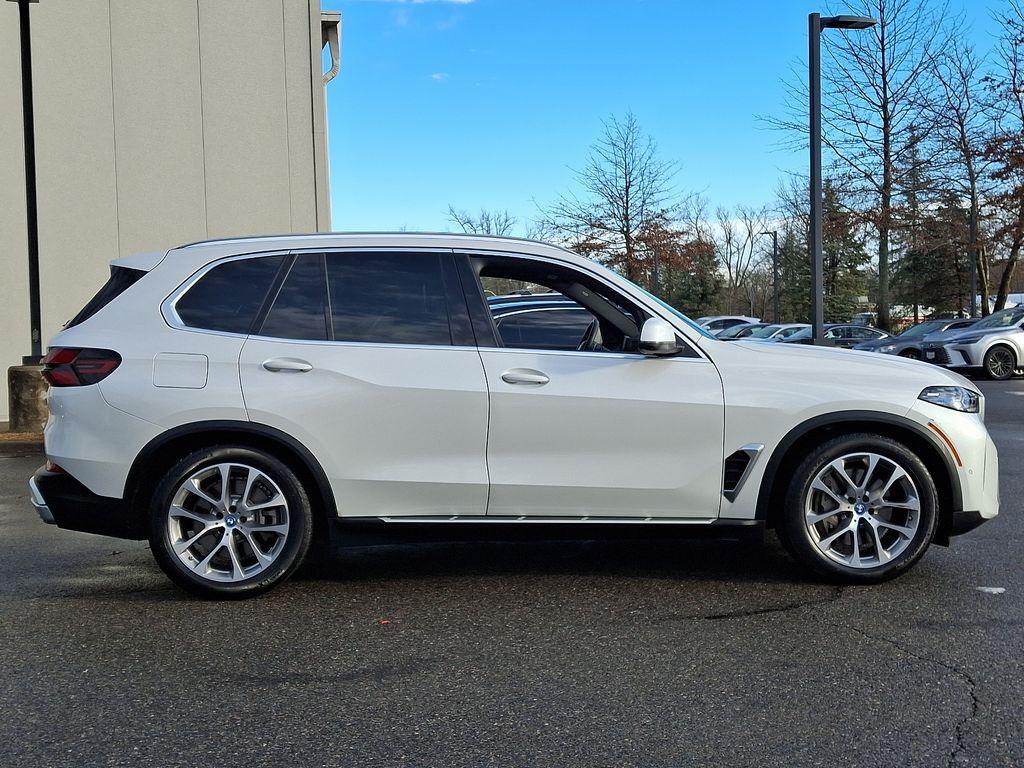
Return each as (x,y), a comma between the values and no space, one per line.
(625,190)
(737,246)
(872,86)
(1006,148)
(500,223)
(961,128)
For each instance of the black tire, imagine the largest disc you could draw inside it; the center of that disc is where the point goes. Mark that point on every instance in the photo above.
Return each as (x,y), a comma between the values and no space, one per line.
(1000,362)
(911,354)
(289,555)
(794,533)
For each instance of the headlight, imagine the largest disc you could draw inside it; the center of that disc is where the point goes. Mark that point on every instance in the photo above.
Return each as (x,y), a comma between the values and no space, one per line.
(968,339)
(957,398)
(887,349)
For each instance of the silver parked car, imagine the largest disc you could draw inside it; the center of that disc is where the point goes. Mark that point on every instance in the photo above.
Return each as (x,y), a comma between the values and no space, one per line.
(908,343)
(994,344)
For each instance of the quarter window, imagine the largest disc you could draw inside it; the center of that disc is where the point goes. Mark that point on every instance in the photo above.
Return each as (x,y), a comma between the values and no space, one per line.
(228,297)
(300,309)
(388,298)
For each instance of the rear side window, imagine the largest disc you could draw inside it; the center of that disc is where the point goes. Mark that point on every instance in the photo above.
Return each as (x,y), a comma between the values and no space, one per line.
(388,298)
(300,309)
(121,278)
(228,297)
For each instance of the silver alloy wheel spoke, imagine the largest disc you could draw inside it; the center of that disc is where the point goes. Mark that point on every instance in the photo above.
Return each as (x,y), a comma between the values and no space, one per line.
(205,540)
(875,521)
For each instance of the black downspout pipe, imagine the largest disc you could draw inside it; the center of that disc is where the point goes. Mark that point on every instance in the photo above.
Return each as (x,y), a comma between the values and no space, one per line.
(31,208)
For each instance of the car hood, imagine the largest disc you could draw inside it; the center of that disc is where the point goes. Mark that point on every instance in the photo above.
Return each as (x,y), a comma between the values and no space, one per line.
(853,365)
(951,337)
(876,343)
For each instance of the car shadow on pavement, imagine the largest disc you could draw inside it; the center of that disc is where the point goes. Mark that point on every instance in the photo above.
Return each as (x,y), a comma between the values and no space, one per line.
(676,559)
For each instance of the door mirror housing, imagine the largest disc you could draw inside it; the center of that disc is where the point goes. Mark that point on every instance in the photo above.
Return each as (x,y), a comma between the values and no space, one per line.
(658,338)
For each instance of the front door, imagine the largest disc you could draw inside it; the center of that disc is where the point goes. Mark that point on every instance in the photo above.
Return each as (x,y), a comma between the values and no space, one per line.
(586,426)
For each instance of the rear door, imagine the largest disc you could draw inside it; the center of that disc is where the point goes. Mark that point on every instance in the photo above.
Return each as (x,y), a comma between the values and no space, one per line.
(367,358)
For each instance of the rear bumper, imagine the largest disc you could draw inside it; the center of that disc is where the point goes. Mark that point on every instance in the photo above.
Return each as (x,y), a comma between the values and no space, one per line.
(63,501)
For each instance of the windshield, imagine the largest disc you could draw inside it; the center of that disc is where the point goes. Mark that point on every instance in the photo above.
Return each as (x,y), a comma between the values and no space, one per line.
(921,329)
(803,333)
(764,333)
(674,311)
(1001,319)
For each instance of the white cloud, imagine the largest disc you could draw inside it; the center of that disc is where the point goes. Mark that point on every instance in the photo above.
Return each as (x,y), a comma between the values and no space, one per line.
(439,77)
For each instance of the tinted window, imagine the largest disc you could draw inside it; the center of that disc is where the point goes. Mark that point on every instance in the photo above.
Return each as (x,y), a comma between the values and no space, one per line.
(299,311)
(118,282)
(388,298)
(545,329)
(228,297)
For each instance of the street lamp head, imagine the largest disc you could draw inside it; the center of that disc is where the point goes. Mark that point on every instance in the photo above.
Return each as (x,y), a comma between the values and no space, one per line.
(847,22)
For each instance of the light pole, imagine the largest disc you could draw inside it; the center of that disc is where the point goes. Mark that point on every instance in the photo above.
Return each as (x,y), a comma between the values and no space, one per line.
(815,23)
(775,273)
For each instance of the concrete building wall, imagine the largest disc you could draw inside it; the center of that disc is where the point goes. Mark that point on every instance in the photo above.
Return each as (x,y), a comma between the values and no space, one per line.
(158,122)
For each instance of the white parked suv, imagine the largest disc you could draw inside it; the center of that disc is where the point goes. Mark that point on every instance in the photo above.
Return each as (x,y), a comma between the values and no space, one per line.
(236,401)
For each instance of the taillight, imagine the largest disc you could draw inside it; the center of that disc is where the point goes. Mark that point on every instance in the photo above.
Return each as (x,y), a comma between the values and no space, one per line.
(73,367)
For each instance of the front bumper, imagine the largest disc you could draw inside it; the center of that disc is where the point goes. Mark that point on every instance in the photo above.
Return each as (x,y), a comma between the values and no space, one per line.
(63,501)
(952,355)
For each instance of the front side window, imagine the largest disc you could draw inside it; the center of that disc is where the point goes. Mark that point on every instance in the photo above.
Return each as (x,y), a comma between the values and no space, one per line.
(229,296)
(388,298)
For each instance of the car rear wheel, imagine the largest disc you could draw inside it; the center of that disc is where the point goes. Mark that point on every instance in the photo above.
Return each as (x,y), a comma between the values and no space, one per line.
(230,522)
(1000,363)
(860,509)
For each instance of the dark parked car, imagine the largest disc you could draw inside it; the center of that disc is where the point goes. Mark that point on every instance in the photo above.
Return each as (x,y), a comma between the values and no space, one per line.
(740,331)
(838,335)
(540,320)
(908,343)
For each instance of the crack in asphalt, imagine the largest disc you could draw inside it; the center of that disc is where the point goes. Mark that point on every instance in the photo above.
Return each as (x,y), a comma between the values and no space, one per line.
(959,744)
(743,613)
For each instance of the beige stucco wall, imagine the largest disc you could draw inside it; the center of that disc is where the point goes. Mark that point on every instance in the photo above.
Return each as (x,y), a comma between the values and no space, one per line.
(158,122)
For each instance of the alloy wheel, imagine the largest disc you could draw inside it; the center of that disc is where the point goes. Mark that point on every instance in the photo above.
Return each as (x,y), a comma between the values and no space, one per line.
(228,522)
(862,510)
(1001,363)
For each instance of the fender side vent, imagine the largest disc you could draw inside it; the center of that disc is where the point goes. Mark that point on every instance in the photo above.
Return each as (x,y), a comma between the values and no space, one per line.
(737,467)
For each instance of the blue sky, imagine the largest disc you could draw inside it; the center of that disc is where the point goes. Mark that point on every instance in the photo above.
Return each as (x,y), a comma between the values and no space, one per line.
(490,103)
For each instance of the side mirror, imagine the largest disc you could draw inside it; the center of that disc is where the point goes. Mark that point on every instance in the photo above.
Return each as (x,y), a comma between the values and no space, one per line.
(658,338)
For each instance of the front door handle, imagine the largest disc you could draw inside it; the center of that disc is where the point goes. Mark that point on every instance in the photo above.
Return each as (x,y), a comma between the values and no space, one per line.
(524,376)
(282,364)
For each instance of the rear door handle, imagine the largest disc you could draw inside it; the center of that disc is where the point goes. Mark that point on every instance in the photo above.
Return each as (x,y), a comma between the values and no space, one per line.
(282,364)
(524,376)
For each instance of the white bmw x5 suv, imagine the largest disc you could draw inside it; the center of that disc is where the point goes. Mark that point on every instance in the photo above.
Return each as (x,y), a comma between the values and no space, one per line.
(236,402)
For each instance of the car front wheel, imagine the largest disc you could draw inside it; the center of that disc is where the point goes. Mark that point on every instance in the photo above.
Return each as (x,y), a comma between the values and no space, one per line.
(230,522)
(1000,363)
(860,509)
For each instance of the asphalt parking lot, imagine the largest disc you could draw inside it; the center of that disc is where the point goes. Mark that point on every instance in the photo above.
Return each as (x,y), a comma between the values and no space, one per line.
(592,654)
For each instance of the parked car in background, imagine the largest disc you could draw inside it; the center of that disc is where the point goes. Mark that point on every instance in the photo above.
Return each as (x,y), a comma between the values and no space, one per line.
(776,332)
(740,331)
(908,343)
(864,318)
(714,324)
(235,401)
(539,321)
(838,335)
(994,345)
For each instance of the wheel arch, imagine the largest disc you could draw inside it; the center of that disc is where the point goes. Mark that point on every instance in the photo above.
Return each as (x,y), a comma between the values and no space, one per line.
(794,446)
(160,452)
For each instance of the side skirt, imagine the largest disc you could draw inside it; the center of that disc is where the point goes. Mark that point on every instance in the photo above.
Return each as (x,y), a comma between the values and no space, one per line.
(362,532)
